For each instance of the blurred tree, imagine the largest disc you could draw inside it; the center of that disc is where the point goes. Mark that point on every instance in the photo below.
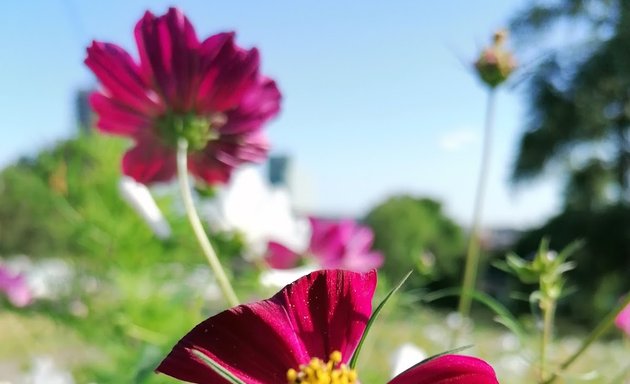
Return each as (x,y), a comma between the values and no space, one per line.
(579,98)
(578,123)
(65,202)
(414,233)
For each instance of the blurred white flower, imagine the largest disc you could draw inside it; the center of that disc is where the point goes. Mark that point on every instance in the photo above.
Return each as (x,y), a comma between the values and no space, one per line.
(47,278)
(405,357)
(139,197)
(44,371)
(258,211)
(278,278)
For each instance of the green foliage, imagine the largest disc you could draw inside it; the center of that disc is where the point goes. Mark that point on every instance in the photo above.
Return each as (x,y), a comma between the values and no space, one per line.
(601,263)
(578,114)
(65,202)
(415,233)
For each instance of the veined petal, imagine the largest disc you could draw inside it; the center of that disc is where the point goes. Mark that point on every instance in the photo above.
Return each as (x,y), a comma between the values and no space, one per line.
(449,369)
(260,342)
(216,162)
(329,310)
(255,342)
(121,77)
(227,76)
(169,58)
(259,104)
(117,119)
(206,166)
(149,161)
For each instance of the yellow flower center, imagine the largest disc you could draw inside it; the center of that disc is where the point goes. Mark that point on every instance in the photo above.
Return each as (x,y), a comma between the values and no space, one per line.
(318,372)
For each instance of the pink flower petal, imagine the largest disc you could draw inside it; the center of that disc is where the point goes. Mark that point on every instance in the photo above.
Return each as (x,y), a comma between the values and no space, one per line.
(229,75)
(449,369)
(149,161)
(215,163)
(121,78)
(280,257)
(117,119)
(623,320)
(329,310)
(259,104)
(168,56)
(319,313)
(16,289)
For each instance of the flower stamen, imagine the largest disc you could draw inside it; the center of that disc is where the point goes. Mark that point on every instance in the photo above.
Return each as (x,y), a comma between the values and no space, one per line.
(318,372)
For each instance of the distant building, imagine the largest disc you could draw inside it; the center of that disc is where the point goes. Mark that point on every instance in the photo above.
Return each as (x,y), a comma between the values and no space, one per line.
(83,111)
(278,170)
(283,173)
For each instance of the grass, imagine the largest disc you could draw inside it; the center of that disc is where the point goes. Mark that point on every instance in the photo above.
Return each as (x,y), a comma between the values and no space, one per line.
(132,319)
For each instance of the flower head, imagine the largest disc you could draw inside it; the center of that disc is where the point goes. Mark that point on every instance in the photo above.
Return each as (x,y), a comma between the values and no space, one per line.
(495,64)
(208,92)
(15,288)
(334,244)
(305,334)
(622,321)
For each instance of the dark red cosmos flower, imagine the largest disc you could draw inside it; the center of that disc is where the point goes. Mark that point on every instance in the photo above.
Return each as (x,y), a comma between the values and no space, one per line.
(209,92)
(311,327)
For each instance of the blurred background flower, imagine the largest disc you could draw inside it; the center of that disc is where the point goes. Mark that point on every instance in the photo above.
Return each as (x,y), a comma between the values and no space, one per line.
(209,93)
(333,244)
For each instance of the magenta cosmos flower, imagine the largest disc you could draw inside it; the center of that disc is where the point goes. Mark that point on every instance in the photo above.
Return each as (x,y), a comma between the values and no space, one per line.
(311,327)
(340,244)
(15,288)
(622,321)
(209,92)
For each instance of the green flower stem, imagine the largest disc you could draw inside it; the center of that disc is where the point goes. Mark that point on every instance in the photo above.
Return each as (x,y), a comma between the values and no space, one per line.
(472,255)
(197,227)
(549,310)
(601,329)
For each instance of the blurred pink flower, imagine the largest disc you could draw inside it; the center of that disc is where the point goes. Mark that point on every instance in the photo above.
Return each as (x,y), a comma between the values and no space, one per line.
(209,92)
(14,286)
(623,320)
(342,244)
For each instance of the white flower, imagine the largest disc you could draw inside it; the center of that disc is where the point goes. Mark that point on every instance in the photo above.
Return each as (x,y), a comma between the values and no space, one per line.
(139,197)
(278,278)
(44,371)
(405,357)
(261,213)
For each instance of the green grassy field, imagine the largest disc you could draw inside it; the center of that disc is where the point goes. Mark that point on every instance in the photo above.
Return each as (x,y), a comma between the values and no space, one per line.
(120,330)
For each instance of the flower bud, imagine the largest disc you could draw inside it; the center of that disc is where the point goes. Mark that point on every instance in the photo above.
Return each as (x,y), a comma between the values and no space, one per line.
(495,63)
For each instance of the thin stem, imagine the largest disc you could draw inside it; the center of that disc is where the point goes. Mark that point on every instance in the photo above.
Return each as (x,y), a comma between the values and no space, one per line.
(549,310)
(472,255)
(601,329)
(197,227)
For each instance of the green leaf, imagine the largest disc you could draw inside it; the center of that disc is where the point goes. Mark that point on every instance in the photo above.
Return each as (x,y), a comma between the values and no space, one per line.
(227,375)
(505,316)
(377,311)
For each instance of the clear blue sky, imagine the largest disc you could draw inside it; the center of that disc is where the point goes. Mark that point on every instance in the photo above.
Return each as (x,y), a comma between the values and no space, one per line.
(378,99)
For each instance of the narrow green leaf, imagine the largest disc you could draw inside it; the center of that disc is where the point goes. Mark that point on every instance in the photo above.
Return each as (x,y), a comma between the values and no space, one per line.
(217,368)
(505,316)
(355,356)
